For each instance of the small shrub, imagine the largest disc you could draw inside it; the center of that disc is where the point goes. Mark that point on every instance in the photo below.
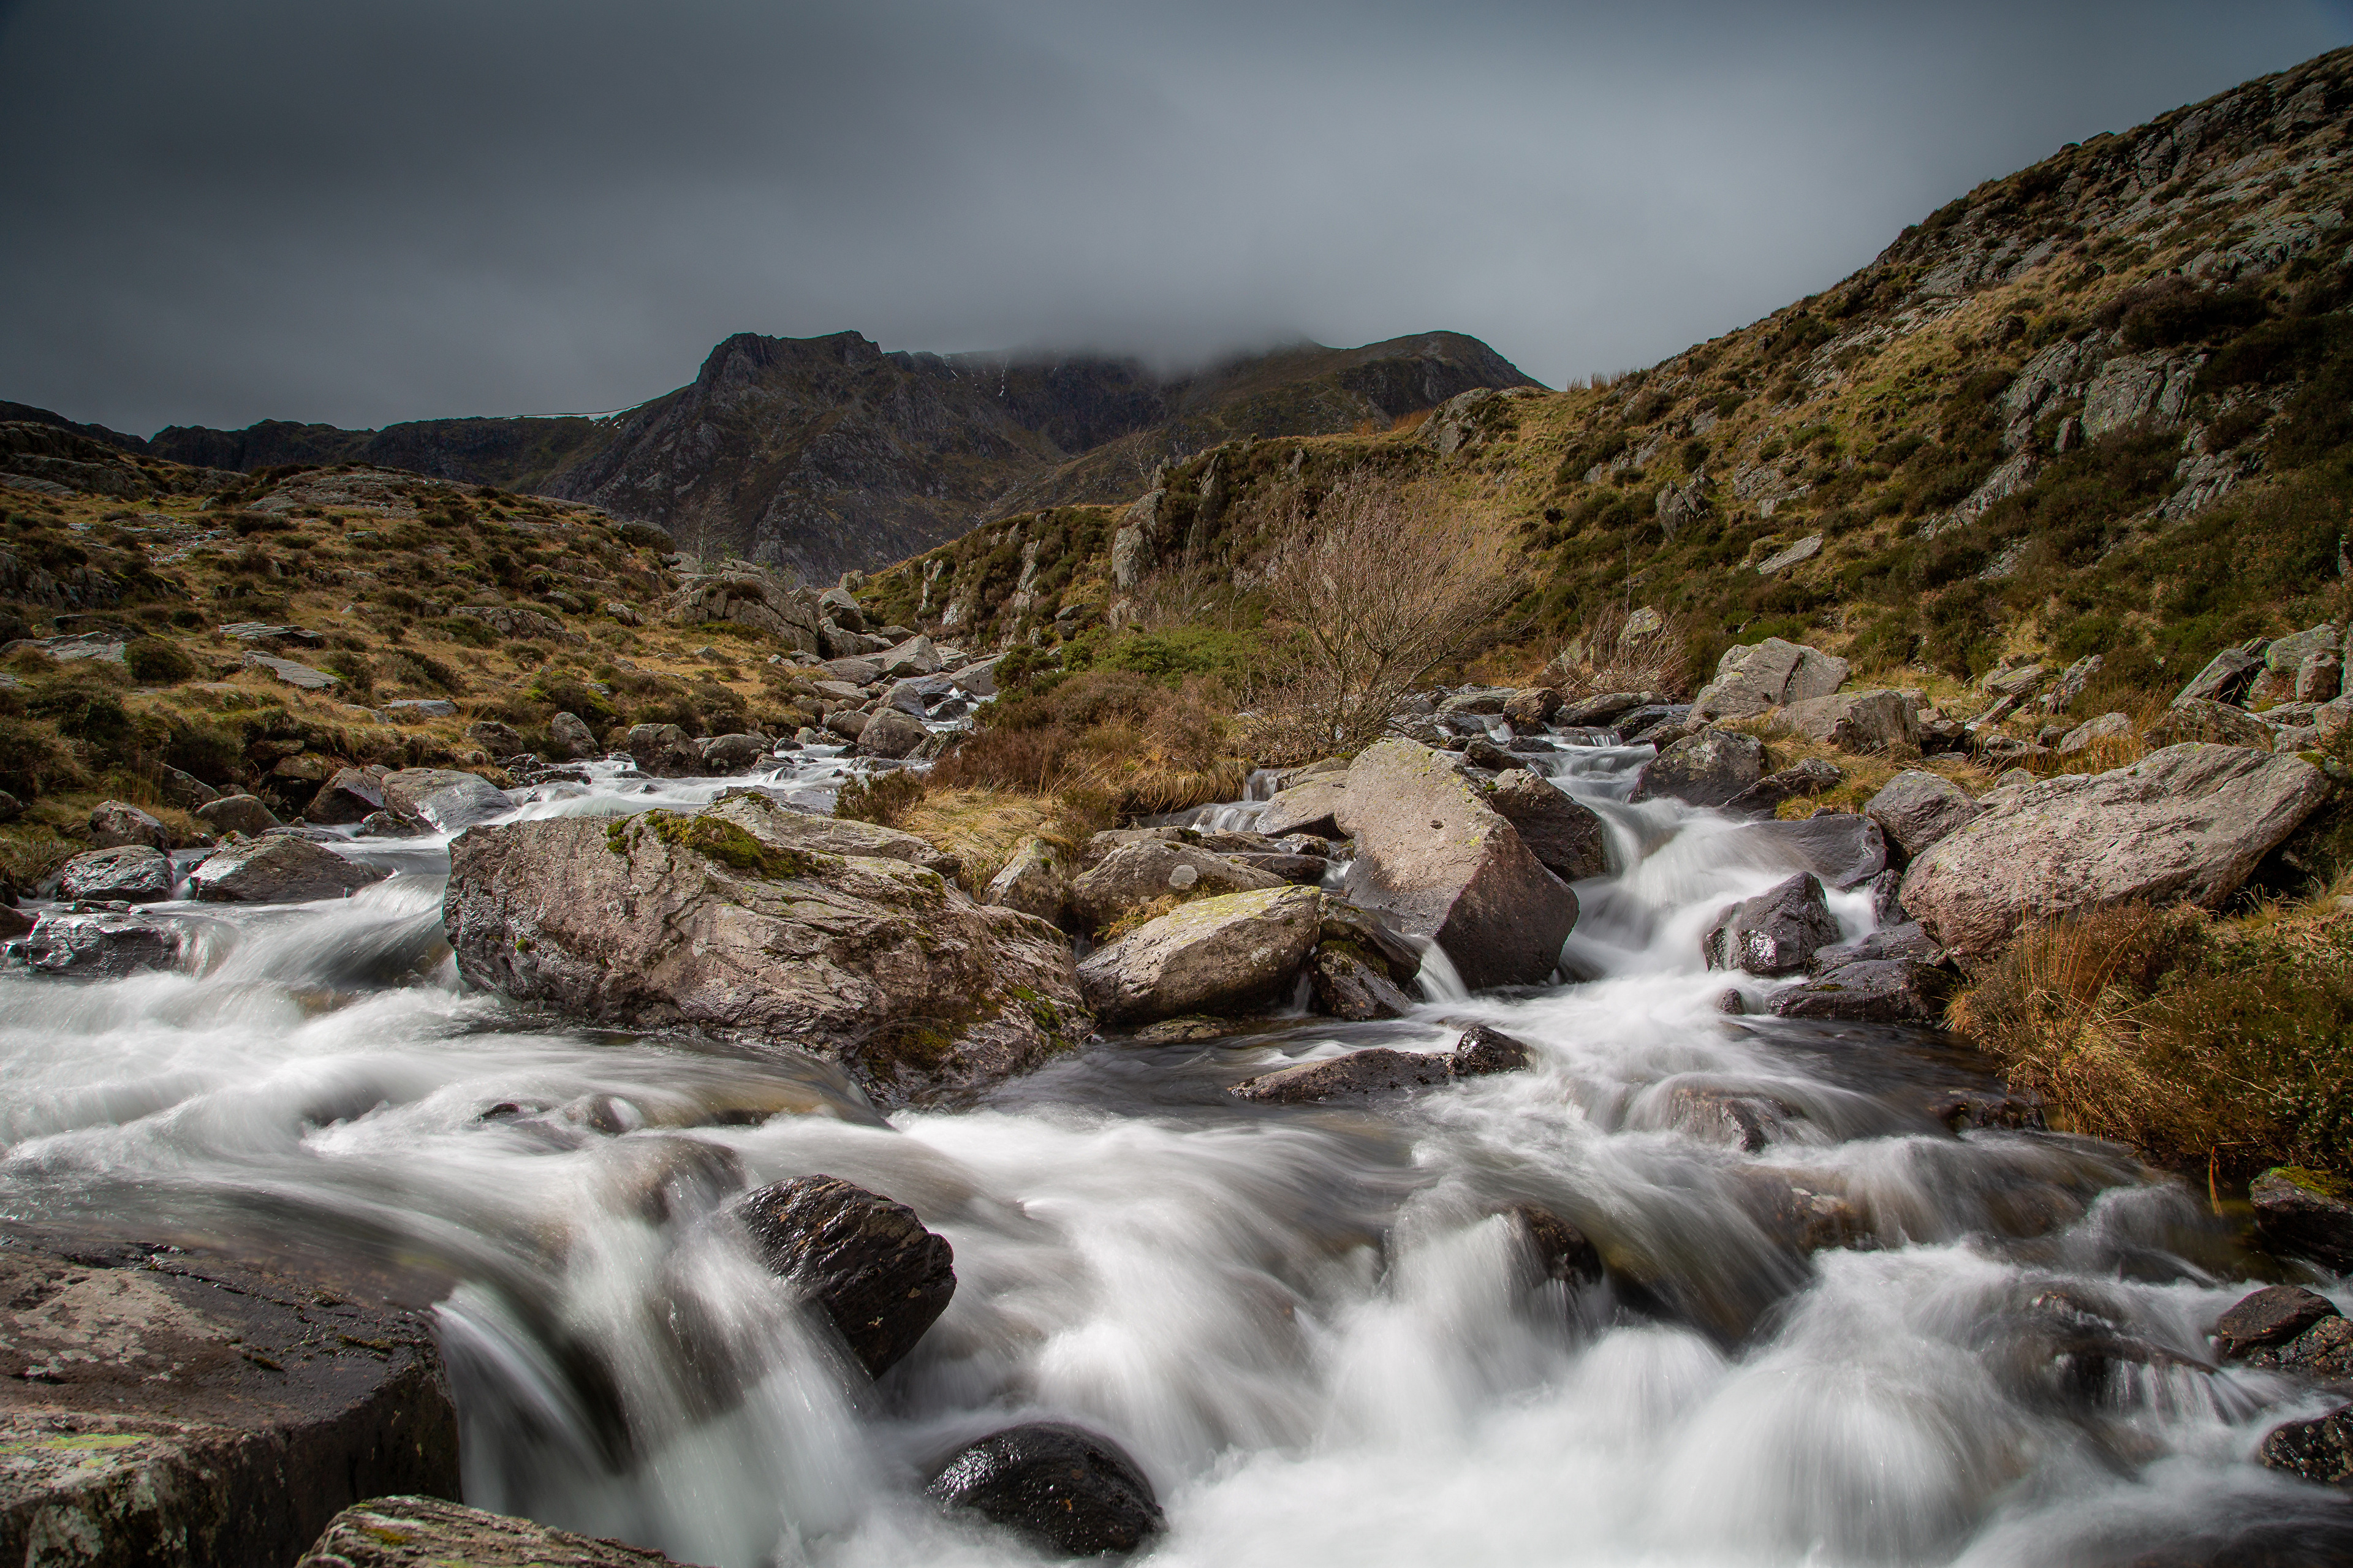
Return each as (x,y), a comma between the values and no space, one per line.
(883,799)
(152,661)
(356,669)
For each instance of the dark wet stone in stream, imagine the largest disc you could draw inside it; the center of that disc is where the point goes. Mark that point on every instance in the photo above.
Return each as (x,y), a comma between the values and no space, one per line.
(2297,1214)
(279,869)
(1729,1117)
(1868,991)
(135,873)
(2323,1353)
(1064,1487)
(1843,850)
(2271,1317)
(1906,940)
(866,1262)
(1566,838)
(1351,985)
(1776,932)
(1729,1001)
(1374,1070)
(1483,1050)
(2320,1449)
(157,1407)
(102,944)
(1989,1110)
(1562,1253)
(426,1533)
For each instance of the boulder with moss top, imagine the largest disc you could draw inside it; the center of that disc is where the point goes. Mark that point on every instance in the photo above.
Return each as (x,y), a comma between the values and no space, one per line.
(1235,954)
(769,926)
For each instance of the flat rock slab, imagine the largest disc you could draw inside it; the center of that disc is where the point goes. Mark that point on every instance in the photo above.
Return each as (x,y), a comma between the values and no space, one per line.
(426,1533)
(2186,825)
(300,676)
(157,1407)
(279,869)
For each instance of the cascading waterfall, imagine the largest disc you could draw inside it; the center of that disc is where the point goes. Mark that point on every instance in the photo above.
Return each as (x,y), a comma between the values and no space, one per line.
(1316,1329)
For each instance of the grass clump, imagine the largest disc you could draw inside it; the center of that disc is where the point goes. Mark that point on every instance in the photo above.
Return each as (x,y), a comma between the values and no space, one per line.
(1121,739)
(883,799)
(2226,1044)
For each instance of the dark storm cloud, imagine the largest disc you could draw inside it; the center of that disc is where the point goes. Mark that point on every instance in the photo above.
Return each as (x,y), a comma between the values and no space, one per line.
(220,212)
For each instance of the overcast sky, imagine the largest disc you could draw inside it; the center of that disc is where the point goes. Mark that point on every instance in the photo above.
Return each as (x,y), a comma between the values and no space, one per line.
(218,211)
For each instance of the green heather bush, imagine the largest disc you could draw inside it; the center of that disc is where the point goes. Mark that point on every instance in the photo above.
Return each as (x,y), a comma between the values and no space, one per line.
(152,661)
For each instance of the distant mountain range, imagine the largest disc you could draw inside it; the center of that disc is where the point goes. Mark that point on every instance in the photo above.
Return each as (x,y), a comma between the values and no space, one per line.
(827,453)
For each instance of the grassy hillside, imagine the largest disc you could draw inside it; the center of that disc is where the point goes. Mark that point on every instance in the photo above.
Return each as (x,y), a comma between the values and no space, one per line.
(2104,405)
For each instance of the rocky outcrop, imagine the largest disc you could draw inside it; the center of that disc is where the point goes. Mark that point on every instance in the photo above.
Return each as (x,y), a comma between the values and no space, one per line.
(1915,810)
(134,873)
(1757,676)
(1710,768)
(1565,837)
(1859,722)
(1132,875)
(514,621)
(161,1407)
(426,1533)
(766,925)
(2188,823)
(1066,1490)
(1776,932)
(1232,953)
(2215,724)
(749,598)
(1843,850)
(1442,863)
(277,869)
(2302,1214)
(865,1262)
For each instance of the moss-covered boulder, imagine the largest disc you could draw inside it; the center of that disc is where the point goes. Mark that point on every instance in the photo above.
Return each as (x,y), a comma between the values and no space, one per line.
(766,925)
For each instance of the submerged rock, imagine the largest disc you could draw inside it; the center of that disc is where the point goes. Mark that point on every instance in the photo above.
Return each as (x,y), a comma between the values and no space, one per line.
(1868,991)
(1375,1070)
(1776,932)
(2188,823)
(1066,1488)
(426,1533)
(1561,1252)
(2320,1449)
(1234,954)
(277,869)
(135,873)
(767,925)
(866,1262)
(445,799)
(1439,861)
(160,1408)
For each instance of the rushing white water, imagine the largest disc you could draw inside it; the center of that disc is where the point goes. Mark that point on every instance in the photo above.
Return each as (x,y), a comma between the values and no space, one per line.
(1316,1329)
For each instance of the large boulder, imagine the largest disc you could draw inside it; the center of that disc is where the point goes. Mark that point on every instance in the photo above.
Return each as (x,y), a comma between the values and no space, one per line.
(1803,778)
(1755,677)
(352,795)
(426,1533)
(1350,984)
(2301,1215)
(2108,726)
(2188,823)
(104,944)
(243,813)
(1710,768)
(2225,677)
(888,733)
(663,749)
(1135,874)
(741,921)
(1069,1491)
(443,799)
(1234,954)
(569,735)
(1310,806)
(277,869)
(1034,882)
(867,1263)
(1776,932)
(1441,863)
(1566,838)
(1861,722)
(745,596)
(117,823)
(734,753)
(161,1407)
(916,656)
(135,873)
(515,621)
(1916,809)
(2273,1316)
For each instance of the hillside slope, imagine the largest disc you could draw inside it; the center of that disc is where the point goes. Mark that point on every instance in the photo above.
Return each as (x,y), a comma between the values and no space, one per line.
(2103,404)
(827,453)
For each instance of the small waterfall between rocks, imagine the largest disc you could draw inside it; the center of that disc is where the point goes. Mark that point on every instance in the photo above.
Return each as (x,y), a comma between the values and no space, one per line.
(1835,1329)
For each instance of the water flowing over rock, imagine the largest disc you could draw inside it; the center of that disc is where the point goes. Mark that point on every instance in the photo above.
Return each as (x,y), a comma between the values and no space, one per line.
(444,799)
(1066,1488)
(426,1533)
(1228,954)
(2186,824)
(764,924)
(157,1407)
(1776,932)
(1710,768)
(135,873)
(1842,849)
(1377,1069)
(1443,864)
(866,1262)
(277,869)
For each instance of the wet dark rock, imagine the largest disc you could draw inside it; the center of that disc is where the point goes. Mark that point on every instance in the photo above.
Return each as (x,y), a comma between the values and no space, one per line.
(2271,1317)
(1360,1073)
(1776,932)
(2324,1352)
(102,944)
(1351,984)
(446,799)
(1803,1216)
(1887,899)
(1300,870)
(1608,707)
(1566,838)
(1372,936)
(1706,769)
(1484,753)
(135,873)
(277,869)
(1066,1488)
(2300,1214)
(352,795)
(1868,991)
(1843,850)
(1483,1050)
(426,1533)
(1801,780)
(1733,1118)
(1905,941)
(1729,1001)
(160,1408)
(2320,1449)
(1562,1252)
(116,822)
(384,824)
(14,923)
(866,1262)
(2009,1111)
(243,813)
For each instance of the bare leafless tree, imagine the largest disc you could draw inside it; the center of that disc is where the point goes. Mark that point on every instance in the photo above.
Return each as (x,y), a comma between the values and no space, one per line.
(1385,581)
